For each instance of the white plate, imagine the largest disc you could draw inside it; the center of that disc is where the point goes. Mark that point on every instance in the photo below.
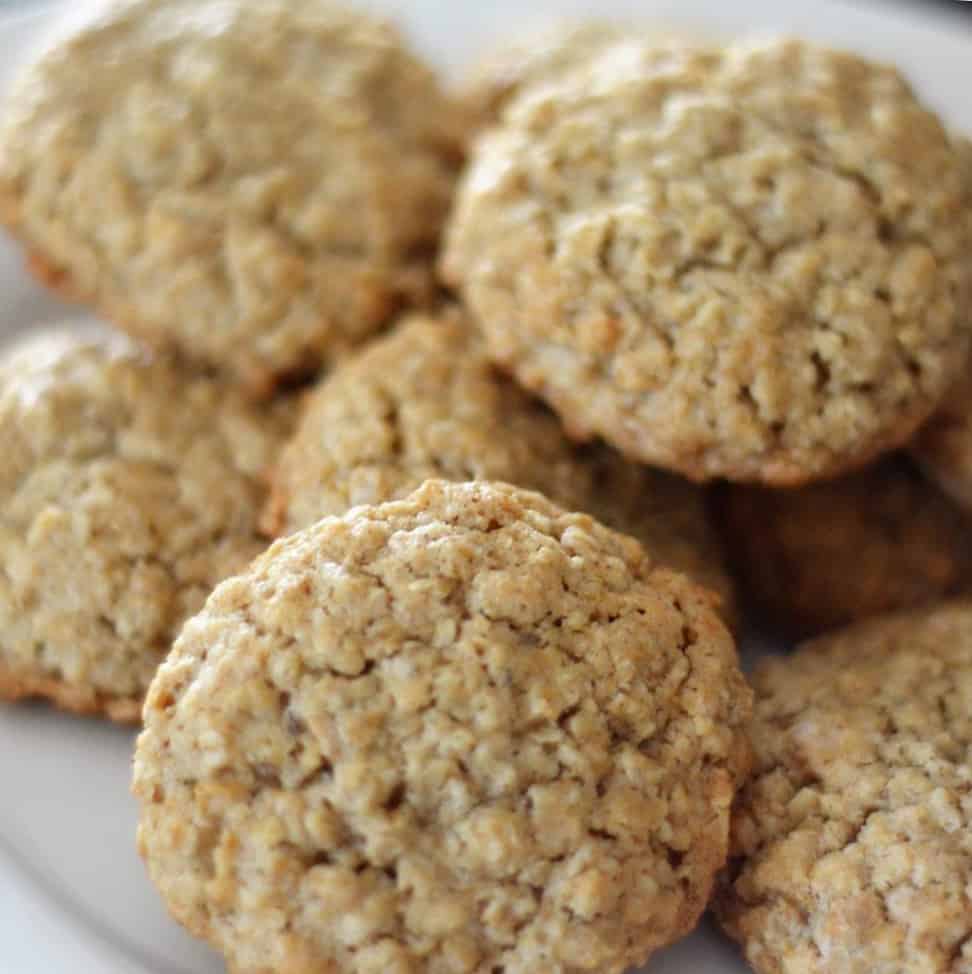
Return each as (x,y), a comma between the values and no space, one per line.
(73,895)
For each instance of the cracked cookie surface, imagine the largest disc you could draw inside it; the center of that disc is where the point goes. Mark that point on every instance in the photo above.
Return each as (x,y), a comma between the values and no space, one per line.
(127,491)
(461,732)
(851,850)
(257,184)
(745,262)
(877,541)
(425,402)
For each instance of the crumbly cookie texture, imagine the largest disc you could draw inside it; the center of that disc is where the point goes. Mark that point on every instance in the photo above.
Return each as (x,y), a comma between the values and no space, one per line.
(461,732)
(257,184)
(127,491)
(851,847)
(425,402)
(829,554)
(526,59)
(745,261)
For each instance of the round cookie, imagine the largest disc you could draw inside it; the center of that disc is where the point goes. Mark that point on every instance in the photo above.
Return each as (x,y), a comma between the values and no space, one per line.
(822,556)
(464,731)
(127,491)
(424,402)
(526,59)
(257,184)
(742,262)
(850,847)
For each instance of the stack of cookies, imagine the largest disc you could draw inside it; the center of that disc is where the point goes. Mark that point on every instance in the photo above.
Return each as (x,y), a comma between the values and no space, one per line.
(525,380)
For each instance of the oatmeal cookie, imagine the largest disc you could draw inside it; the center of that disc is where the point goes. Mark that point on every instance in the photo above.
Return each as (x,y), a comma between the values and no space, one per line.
(257,184)
(127,491)
(743,261)
(817,557)
(425,402)
(851,849)
(464,731)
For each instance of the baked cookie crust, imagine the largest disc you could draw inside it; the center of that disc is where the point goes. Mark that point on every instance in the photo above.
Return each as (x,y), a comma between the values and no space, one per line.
(259,185)
(747,262)
(464,731)
(850,845)
(128,489)
(425,402)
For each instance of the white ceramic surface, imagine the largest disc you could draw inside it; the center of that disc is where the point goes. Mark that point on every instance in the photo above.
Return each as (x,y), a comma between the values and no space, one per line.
(73,895)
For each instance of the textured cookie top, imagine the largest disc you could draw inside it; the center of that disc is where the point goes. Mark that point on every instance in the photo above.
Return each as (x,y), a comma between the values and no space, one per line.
(259,184)
(127,490)
(851,843)
(825,555)
(539,55)
(424,402)
(743,262)
(465,731)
